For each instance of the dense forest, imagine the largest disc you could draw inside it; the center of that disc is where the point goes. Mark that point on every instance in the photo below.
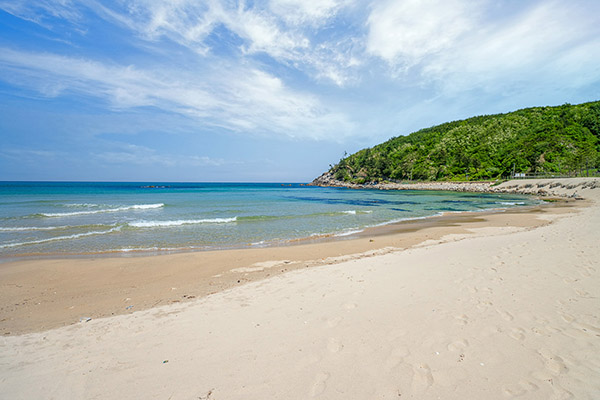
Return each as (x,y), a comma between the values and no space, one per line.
(563,140)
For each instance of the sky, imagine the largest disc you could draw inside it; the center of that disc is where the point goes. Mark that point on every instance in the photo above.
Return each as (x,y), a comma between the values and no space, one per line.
(268,91)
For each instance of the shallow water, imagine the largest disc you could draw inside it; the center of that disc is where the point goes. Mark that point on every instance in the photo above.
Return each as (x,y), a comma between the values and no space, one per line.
(41,218)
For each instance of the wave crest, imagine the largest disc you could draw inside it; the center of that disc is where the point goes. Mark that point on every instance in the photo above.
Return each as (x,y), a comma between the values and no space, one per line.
(105,210)
(161,224)
(48,228)
(75,236)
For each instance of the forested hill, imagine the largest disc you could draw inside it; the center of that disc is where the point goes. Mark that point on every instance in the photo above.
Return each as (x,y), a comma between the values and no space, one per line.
(553,140)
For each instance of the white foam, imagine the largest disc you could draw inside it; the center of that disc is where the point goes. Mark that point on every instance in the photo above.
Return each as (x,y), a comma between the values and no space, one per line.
(395,221)
(511,203)
(159,224)
(75,236)
(152,249)
(32,228)
(106,210)
(348,233)
(46,228)
(80,205)
(354,212)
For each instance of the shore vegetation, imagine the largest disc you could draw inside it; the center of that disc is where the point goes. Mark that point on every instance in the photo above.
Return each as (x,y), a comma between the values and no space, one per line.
(539,141)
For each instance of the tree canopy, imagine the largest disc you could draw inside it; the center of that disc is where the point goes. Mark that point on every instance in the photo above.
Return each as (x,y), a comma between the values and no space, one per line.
(552,140)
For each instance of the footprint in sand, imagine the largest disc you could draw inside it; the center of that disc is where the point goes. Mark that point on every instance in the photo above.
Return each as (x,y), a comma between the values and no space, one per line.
(422,379)
(462,319)
(587,328)
(561,302)
(540,330)
(350,306)
(520,389)
(458,345)
(559,393)
(552,362)
(334,345)
(584,273)
(484,305)
(567,317)
(517,334)
(505,315)
(320,384)
(513,390)
(582,293)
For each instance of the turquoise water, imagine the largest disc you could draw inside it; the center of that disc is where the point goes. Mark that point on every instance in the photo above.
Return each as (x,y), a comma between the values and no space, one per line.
(40,218)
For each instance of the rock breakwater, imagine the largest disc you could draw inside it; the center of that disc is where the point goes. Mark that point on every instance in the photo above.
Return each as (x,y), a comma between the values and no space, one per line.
(562,187)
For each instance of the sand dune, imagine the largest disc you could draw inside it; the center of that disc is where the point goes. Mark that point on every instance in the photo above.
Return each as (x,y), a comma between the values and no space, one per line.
(496,314)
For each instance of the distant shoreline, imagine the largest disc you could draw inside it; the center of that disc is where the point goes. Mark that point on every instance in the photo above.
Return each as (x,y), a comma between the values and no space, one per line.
(132,219)
(559,187)
(544,188)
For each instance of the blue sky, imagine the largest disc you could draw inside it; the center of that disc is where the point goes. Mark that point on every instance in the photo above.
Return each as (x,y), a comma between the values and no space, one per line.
(274,90)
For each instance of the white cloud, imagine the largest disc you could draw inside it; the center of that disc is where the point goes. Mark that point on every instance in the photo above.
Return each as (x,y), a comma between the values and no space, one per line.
(461,45)
(312,12)
(41,11)
(281,30)
(286,30)
(549,43)
(235,97)
(404,32)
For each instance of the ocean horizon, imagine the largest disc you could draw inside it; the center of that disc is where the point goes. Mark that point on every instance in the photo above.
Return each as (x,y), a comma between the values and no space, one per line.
(79,218)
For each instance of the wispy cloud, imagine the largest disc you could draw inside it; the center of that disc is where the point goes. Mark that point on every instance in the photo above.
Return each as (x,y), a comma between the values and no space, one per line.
(234,97)
(142,155)
(46,13)
(31,156)
(404,33)
(311,12)
(286,30)
(460,45)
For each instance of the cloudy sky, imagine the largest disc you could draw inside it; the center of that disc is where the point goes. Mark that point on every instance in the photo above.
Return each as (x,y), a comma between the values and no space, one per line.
(273,90)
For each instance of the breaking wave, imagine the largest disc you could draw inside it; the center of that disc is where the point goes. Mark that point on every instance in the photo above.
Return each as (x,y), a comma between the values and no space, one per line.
(155,224)
(75,236)
(105,210)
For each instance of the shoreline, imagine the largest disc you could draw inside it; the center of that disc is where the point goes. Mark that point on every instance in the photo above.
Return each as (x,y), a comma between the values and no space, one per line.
(315,238)
(50,292)
(549,187)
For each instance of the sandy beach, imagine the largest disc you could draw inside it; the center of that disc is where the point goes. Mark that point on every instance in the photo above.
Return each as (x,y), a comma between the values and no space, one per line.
(487,306)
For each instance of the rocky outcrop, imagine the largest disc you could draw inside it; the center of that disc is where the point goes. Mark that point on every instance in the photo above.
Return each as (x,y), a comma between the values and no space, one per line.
(327,179)
(564,187)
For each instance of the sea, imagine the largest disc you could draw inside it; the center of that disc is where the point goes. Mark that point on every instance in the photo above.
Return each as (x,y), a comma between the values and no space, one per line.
(45,219)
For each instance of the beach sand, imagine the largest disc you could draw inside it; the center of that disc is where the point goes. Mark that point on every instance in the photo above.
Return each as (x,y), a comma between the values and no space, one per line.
(491,306)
